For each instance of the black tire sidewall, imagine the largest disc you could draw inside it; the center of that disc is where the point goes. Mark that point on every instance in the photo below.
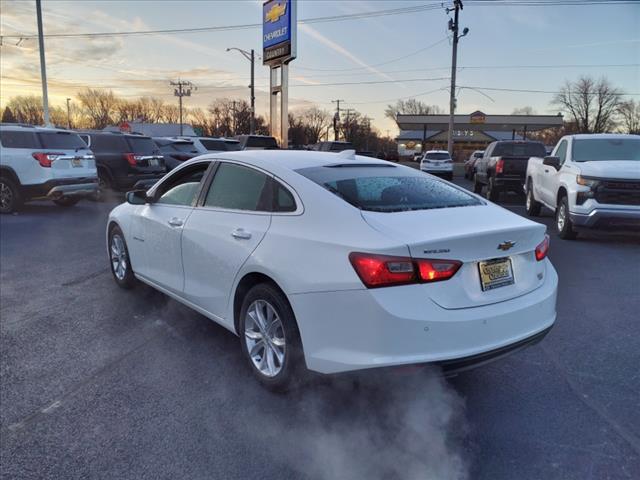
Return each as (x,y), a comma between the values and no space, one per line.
(567,233)
(534,207)
(294,358)
(493,194)
(16,197)
(129,280)
(477,186)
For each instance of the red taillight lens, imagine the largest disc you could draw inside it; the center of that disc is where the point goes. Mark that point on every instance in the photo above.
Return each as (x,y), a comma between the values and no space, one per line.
(385,271)
(45,159)
(500,166)
(542,249)
(436,270)
(131,158)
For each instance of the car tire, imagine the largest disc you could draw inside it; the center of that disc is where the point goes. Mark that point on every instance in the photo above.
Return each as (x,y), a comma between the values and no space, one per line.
(278,362)
(532,206)
(104,180)
(564,225)
(66,201)
(493,194)
(477,186)
(10,197)
(119,259)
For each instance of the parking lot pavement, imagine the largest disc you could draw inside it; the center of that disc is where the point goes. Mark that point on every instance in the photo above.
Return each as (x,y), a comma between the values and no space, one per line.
(97,382)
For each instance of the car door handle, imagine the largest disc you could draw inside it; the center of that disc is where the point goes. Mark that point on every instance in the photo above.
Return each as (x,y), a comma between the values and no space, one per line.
(175,222)
(241,233)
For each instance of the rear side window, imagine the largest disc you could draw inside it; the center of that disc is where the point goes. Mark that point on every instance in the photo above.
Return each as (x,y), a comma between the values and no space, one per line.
(13,139)
(283,200)
(388,189)
(62,140)
(238,188)
(142,145)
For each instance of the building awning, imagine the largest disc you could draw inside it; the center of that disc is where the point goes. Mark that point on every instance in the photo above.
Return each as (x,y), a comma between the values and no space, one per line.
(479,121)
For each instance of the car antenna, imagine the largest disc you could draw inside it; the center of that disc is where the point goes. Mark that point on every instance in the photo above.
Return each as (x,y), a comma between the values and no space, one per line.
(347,154)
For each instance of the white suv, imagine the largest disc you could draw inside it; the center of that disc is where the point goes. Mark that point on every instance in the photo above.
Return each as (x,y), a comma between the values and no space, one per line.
(39,162)
(437,162)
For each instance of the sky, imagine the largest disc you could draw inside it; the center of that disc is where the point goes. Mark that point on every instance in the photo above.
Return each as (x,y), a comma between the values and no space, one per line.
(512,47)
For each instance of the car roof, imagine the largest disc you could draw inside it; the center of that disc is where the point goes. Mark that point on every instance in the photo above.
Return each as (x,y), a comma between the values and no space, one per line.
(592,136)
(289,160)
(18,127)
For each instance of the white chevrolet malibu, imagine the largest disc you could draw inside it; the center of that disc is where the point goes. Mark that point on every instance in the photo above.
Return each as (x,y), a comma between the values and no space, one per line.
(335,263)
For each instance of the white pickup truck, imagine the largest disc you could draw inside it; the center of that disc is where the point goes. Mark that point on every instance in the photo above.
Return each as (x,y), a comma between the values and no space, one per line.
(588,181)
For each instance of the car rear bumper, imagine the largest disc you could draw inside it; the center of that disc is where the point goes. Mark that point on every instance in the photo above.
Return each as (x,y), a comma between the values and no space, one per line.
(607,217)
(360,329)
(512,182)
(67,187)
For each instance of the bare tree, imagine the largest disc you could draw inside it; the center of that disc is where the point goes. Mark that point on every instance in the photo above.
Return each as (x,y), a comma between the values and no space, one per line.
(591,104)
(630,116)
(410,107)
(316,122)
(27,109)
(524,111)
(99,106)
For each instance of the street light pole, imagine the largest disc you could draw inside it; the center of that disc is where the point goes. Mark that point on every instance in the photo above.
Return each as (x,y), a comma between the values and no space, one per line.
(453,26)
(68,114)
(43,66)
(251,57)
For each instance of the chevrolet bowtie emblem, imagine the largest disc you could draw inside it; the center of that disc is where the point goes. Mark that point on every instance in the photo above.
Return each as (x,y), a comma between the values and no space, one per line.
(504,246)
(276,11)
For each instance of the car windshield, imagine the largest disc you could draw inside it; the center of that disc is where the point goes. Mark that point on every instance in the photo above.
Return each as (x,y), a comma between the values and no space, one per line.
(603,149)
(142,145)
(63,140)
(519,149)
(437,156)
(386,188)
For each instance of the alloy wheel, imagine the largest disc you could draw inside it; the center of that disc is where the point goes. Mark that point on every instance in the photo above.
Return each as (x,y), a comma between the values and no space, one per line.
(118,257)
(264,338)
(562,214)
(6,196)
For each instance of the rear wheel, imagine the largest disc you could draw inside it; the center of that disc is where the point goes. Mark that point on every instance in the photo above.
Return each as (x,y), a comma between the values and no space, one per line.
(533,207)
(10,198)
(119,259)
(493,193)
(564,225)
(66,201)
(477,186)
(269,337)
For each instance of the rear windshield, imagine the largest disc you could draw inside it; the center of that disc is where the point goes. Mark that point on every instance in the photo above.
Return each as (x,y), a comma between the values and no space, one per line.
(602,149)
(478,154)
(184,147)
(220,145)
(529,149)
(61,140)
(38,140)
(142,145)
(437,156)
(339,147)
(380,188)
(262,142)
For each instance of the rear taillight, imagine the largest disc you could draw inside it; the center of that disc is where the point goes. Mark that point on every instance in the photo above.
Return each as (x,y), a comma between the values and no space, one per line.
(500,166)
(45,159)
(385,271)
(542,249)
(132,158)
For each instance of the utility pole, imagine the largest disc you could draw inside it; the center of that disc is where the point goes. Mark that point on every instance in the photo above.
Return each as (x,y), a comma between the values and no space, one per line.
(251,57)
(68,114)
(183,90)
(453,26)
(347,125)
(43,66)
(233,117)
(336,119)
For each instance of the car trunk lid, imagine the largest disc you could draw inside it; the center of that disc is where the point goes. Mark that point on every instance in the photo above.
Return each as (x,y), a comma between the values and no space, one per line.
(472,235)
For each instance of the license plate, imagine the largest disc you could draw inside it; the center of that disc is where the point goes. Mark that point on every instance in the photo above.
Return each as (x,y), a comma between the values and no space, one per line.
(76,162)
(495,273)
(153,162)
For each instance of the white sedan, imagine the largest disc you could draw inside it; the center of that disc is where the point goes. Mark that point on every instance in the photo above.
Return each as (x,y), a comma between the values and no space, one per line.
(335,263)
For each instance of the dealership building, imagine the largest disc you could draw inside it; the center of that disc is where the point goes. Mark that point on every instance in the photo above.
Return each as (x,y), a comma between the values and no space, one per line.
(419,133)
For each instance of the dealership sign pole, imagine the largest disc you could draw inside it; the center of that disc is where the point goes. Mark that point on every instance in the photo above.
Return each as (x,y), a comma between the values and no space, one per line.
(279,29)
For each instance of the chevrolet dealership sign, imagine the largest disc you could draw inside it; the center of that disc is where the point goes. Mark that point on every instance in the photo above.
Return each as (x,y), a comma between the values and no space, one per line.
(278,31)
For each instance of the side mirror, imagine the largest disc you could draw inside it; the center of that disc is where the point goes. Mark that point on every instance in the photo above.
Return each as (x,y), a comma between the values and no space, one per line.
(552,162)
(137,197)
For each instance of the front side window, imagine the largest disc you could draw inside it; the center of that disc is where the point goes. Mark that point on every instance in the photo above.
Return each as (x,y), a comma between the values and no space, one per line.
(603,149)
(387,188)
(561,152)
(182,188)
(238,188)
